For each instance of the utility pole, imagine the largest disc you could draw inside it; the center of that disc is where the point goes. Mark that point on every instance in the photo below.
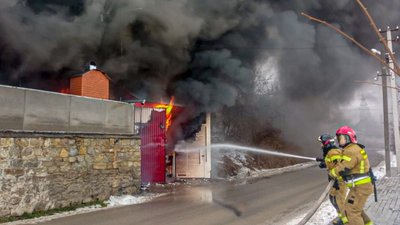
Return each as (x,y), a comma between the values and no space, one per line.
(386,127)
(384,76)
(393,97)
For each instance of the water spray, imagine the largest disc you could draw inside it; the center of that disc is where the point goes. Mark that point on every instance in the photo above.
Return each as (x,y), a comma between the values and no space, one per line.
(260,150)
(248,149)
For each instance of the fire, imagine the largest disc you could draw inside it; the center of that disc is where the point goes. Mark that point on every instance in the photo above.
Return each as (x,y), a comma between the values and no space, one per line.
(64,90)
(168,111)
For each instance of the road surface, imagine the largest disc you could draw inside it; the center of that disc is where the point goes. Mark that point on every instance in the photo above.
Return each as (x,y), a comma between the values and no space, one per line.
(264,201)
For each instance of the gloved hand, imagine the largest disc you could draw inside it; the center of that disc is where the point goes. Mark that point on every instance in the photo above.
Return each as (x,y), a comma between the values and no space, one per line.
(336,185)
(318,159)
(322,165)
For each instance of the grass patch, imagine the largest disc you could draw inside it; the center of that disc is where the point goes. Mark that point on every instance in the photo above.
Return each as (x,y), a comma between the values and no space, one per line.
(50,212)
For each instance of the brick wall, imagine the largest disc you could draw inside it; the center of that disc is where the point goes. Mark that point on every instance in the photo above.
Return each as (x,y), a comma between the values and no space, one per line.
(40,173)
(95,84)
(75,86)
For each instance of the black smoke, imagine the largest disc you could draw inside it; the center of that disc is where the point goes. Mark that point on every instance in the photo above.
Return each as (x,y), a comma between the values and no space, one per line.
(204,52)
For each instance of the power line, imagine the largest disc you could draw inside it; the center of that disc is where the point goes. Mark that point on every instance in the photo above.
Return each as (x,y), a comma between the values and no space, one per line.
(274,48)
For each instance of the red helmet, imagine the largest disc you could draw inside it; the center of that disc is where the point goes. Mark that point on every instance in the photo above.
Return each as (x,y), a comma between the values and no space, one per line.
(349,132)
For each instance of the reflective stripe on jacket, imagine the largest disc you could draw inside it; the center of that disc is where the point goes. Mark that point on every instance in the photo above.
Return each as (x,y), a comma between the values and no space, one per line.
(332,158)
(354,161)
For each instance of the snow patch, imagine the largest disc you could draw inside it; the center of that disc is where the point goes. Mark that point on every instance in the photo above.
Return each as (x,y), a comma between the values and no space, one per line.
(246,171)
(380,170)
(326,213)
(277,171)
(241,160)
(130,200)
(114,201)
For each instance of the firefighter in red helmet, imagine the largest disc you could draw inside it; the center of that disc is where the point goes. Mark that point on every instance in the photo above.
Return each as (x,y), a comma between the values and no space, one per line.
(354,168)
(332,155)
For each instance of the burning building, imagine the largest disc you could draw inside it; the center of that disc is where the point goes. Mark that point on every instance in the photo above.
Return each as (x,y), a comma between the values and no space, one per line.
(153,122)
(162,156)
(206,59)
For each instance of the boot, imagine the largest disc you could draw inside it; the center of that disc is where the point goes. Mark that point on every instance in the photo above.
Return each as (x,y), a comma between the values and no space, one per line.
(337,221)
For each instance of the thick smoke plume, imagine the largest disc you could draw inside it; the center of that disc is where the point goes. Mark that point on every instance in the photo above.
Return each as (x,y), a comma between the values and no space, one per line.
(204,52)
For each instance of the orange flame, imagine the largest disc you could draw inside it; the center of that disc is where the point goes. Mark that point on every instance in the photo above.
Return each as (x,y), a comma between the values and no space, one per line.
(168,111)
(64,90)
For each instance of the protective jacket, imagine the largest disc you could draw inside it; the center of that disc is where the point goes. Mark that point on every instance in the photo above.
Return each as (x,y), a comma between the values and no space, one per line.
(354,166)
(333,156)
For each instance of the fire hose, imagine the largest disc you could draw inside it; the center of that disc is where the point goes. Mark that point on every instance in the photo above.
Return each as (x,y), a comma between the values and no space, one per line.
(317,204)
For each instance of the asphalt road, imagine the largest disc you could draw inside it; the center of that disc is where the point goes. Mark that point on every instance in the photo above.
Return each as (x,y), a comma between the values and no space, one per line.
(264,201)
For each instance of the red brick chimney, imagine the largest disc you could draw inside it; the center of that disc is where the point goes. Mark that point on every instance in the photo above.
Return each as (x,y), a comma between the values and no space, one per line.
(94,83)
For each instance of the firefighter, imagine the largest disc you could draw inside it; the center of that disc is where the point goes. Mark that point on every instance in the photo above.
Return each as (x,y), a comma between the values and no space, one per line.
(337,195)
(354,168)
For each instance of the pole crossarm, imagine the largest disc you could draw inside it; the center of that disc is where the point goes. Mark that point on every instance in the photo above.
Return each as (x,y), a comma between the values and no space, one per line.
(380,37)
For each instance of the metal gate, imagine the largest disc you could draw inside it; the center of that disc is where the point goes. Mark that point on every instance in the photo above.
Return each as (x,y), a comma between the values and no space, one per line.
(153,136)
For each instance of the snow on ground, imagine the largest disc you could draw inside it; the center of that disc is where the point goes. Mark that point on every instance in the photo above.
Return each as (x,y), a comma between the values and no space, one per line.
(326,213)
(241,159)
(380,170)
(130,200)
(277,171)
(114,201)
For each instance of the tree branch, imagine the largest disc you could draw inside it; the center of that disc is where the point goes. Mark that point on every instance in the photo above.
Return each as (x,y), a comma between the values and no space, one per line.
(383,62)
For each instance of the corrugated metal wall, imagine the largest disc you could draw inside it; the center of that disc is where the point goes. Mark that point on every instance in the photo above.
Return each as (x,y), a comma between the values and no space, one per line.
(141,117)
(153,136)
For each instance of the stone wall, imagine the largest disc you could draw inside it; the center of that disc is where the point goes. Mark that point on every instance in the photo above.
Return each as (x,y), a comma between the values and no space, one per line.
(41,173)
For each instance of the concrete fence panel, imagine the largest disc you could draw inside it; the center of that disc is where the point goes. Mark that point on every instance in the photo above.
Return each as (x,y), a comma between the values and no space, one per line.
(34,110)
(87,115)
(46,111)
(12,102)
(119,118)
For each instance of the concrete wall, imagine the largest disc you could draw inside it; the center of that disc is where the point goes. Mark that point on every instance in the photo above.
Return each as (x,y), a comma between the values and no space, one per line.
(41,173)
(27,109)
